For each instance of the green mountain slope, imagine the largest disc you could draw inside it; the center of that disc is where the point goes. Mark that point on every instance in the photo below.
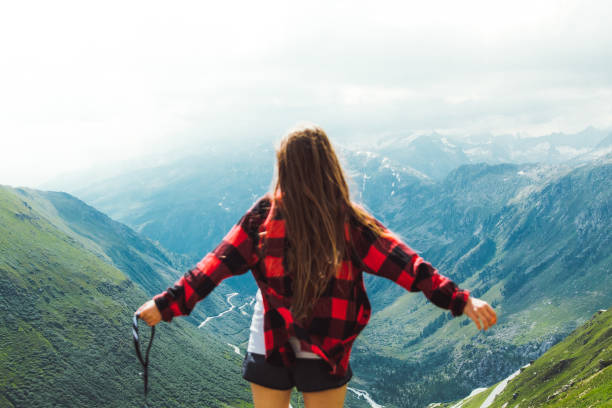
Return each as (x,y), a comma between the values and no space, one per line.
(577,372)
(146,263)
(65,329)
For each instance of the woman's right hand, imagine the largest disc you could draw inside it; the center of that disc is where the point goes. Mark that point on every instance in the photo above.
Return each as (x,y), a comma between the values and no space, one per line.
(480,312)
(149,313)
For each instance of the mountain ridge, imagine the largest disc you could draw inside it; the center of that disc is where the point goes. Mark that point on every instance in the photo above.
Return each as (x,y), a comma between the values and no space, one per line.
(498,229)
(65,328)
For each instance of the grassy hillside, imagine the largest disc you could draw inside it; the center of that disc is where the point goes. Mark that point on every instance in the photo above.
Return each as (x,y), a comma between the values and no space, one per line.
(65,329)
(145,262)
(577,372)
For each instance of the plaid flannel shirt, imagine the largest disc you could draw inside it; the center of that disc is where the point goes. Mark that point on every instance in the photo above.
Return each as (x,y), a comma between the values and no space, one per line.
(343,310)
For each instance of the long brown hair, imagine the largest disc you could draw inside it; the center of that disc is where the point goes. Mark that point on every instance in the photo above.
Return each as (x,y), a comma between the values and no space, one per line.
(315,204)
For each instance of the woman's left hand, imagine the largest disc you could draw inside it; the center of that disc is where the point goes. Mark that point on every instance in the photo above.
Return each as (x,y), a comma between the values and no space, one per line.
(480,312)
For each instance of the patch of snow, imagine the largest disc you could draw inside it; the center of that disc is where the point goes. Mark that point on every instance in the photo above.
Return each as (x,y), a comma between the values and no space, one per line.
(497,390)
(476,391)
(542,147)
(447,143)
(366,153)
(477,151)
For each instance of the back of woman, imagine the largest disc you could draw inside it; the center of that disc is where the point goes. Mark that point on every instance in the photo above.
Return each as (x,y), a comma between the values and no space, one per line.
(307,246)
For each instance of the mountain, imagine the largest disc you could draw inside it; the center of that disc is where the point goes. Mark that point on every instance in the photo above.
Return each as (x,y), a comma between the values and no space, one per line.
(605,143)
(437,155)
(433,154)
(65,326)
(530,238)
(538,251)
(552,149)
(576,372)
(186,205)
(145,262)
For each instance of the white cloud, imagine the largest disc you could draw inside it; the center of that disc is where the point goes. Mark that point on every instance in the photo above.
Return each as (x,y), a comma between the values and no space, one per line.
(85,83)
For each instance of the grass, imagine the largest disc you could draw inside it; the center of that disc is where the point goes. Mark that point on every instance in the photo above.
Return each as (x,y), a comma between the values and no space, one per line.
(65,329)
(570,373)
(567,375)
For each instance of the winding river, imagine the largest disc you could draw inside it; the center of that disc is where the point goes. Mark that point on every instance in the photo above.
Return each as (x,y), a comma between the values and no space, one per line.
(232,307)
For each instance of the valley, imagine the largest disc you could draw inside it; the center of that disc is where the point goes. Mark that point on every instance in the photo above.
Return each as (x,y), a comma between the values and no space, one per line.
(531,238)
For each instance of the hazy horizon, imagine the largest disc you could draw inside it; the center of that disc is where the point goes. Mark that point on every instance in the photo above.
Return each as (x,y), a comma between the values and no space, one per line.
(89,85)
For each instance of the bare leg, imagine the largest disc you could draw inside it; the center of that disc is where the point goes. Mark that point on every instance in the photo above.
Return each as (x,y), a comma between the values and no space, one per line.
(333,398)
(264,397)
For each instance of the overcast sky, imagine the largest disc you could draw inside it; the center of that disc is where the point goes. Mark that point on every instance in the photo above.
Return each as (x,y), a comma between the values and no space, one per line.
(84,83)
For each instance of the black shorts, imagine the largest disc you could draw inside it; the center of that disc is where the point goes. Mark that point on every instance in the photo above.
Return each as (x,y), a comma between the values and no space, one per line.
(307,375)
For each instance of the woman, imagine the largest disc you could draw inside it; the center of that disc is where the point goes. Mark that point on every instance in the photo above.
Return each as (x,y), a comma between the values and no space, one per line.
(307,245)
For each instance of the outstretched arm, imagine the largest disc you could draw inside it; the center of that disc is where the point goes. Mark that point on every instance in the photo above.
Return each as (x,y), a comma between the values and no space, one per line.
(387,256)
(233,256)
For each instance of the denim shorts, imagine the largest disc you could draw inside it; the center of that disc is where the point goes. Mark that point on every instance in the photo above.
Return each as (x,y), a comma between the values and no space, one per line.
(307,375)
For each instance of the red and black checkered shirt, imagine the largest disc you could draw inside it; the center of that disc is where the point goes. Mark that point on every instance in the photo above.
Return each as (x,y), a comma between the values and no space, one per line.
(342,311)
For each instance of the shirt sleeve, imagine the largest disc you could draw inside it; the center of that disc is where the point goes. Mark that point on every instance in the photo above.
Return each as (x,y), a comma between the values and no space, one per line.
(387,256)
(234,255)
